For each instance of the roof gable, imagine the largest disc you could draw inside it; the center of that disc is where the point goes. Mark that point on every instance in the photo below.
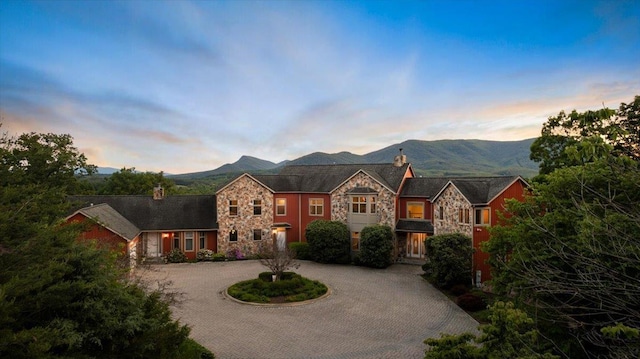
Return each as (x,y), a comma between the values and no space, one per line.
(109,218)
(480,190)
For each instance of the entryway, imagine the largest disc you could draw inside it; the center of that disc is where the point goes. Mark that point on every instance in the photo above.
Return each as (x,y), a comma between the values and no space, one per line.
(415,245)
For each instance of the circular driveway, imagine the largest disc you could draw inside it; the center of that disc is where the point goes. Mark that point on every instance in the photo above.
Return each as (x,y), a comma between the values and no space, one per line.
(371,313)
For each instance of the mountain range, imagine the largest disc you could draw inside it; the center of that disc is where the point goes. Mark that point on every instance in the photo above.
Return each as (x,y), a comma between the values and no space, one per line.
(428,158)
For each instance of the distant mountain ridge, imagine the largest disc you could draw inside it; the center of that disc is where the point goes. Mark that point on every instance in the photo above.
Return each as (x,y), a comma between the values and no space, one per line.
(428,158)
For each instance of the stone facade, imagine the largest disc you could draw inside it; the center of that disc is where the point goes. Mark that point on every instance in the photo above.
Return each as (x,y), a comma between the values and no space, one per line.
(385,202)
(244,190)
(451,201)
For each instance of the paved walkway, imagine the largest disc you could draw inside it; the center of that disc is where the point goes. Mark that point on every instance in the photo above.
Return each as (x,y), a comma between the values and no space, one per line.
(370,313)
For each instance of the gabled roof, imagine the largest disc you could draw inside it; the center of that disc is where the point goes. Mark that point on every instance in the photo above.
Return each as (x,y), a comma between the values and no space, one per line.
(170,213)
(111,219)
(481,190)
(326,178)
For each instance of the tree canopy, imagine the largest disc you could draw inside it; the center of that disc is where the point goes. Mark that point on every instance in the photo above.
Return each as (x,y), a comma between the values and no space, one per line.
(129,182)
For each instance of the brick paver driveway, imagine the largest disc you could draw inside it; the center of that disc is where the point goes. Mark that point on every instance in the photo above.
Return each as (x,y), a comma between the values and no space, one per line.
(369,314)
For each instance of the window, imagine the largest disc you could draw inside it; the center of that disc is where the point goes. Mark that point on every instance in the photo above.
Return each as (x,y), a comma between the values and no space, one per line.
(483,216)
(281,207)
(257,234)
(233,207)
(373,204)
(441,213)
(233,236)
(203,240)
(463,215)
(257,207)
(316,206)
(188,241)
(176,240)
(355,241)
(415,210)
(358,204)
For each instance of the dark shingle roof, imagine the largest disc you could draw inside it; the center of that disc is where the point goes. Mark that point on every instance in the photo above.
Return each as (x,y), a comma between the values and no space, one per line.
(426,187)
(280,183)
(110,218)
(169,213)
(405,225)
(326,178)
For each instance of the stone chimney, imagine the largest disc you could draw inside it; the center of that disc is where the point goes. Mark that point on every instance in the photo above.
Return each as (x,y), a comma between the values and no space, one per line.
(158,192)
(400,159)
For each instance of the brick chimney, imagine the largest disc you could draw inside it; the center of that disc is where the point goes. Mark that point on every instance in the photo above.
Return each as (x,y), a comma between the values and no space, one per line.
(400,159)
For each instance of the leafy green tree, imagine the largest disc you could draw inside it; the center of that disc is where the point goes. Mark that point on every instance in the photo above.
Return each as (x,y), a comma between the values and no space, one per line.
(619,129)
(129,182)
(376,246)
(449,259)
(328,241)
(510,334)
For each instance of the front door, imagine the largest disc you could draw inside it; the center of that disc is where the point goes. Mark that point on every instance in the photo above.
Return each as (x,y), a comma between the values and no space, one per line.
(281,239)
(415,245)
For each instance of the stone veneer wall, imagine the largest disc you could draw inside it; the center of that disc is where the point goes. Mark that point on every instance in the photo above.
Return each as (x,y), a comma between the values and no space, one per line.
(451,201)
(244,190)
(385,205)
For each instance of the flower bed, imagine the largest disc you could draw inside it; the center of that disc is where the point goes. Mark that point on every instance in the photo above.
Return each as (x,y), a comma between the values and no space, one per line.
(291,288)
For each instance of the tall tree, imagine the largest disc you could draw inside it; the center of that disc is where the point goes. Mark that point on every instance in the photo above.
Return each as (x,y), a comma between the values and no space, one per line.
(129,182)
(619,129)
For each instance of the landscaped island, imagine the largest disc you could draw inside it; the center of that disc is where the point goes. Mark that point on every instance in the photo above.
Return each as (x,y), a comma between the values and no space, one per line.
(291,287)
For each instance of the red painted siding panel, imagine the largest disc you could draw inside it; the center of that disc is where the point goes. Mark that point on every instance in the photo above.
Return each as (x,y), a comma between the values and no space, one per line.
(102,235)
(292,215)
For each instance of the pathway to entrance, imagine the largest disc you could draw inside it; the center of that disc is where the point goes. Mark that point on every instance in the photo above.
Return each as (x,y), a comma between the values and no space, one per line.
(370,313)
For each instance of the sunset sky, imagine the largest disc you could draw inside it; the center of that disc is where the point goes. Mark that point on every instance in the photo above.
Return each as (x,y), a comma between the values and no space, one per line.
(186,86)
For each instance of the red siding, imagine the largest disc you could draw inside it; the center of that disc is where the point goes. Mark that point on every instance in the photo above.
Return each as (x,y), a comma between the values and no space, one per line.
(428,212)
(292,215)
(104,236)
(305,215)
(481,233)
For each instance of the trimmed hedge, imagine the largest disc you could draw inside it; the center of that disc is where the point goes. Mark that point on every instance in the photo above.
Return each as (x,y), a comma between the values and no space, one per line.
(329,241)
(449,259)
(294,289)
(301,250)
(376,246)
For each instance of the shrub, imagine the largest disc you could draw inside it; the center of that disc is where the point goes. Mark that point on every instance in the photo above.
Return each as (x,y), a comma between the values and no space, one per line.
(293,287)
(471,302)
(234,253)
(301,250)
(219,257)
(449,259)
(176,256)
(267,276)
(376,246)
(205,255)
(329,241)
(190,349)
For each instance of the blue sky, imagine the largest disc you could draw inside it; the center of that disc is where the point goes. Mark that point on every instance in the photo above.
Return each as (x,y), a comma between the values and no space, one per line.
(186,86)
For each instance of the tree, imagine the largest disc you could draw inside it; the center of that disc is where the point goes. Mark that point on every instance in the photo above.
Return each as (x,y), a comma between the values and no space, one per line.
(129,182)
(278,260)
(510,334)
(376,246)
(571,254)
(619,129)
(449,259)
(328,241)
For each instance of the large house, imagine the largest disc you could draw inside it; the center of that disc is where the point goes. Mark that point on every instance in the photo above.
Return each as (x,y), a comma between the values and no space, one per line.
(254,208)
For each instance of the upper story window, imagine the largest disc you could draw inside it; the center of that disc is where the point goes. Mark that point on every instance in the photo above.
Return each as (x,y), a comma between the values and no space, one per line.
(482,216)
(316,207)
(233,207)
(463,215)
(441,213)
(372,201)
(257,207)
(415,210)
(281,206)
(358,204)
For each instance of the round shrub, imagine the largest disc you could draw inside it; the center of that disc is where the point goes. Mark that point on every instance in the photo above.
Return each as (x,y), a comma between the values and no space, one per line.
(449,259)
(294,288)
(329,241)
(176,256)
(301,250)
(376,246)
(471,302)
